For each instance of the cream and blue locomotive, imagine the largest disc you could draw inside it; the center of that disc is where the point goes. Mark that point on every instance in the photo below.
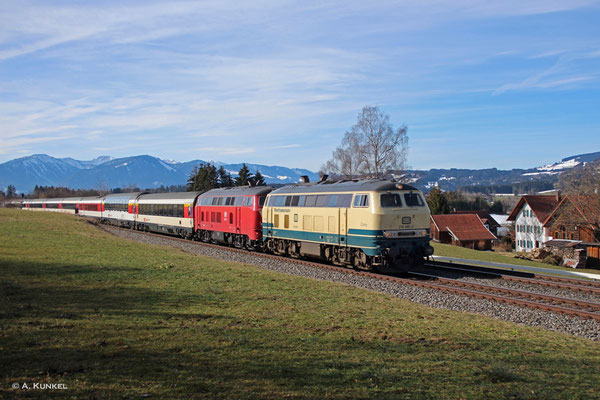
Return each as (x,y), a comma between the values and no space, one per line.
(368,224)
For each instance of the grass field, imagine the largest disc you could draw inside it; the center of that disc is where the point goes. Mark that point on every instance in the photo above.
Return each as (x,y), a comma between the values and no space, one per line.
(447,250)
(109,318)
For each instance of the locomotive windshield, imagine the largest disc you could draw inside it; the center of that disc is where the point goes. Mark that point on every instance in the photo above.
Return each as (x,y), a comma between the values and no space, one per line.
(413,200)
(394,200)
(391,200)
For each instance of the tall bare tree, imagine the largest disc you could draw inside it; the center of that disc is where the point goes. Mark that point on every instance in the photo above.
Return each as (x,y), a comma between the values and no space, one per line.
(371,148)
(347,160)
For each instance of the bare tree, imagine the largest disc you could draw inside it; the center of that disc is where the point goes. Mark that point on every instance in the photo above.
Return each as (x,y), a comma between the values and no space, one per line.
(372,148)
(347,160)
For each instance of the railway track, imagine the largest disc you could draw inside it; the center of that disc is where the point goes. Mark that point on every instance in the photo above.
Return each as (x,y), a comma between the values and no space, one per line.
(579,285)
(572,307)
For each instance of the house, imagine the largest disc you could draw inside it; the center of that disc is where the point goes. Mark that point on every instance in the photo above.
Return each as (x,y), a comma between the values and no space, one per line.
(465,230)
(529,216)
(488,221)
(575,223)
(575,218)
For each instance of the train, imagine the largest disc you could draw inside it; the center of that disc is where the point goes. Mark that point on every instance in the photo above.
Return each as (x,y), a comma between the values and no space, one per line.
(378,225)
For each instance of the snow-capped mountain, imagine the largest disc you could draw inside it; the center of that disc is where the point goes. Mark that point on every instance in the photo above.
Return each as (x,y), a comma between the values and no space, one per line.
(86,164)
(452,179)
(107,173)
(151,172)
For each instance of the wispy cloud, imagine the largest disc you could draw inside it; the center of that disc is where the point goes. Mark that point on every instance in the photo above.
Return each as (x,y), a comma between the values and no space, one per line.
(559,74)
(232,79)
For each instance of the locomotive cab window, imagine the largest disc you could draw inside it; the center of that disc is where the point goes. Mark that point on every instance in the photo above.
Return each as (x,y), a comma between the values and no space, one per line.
(261,201)
(391,200)
(361,200)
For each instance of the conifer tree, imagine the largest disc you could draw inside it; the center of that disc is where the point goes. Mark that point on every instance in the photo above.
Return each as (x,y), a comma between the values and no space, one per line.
(203,178)
(259,179)
(437,202)
(225,179)
(243,176)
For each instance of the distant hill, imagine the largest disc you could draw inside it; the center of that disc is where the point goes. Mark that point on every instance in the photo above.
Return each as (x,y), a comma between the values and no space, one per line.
(452,179)
(106,173)
(150,172)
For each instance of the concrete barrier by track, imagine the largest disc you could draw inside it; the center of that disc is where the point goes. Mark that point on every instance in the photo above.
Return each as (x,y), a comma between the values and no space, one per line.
(512,267)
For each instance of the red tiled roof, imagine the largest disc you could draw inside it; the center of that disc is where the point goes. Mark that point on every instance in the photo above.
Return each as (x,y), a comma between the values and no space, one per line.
(484,215)
(542,206)
(463,226)
(588,207)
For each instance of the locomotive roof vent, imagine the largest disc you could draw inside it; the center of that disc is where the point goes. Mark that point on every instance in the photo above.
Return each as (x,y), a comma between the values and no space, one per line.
(304,179)
(323,178)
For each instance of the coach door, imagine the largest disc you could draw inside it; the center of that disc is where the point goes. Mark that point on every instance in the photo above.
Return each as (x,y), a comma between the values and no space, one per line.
(343,226)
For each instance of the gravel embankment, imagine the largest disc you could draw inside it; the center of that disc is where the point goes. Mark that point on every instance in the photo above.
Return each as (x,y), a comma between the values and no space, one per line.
(589,329)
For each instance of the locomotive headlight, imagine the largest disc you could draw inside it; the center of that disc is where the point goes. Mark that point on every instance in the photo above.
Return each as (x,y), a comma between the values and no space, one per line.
(388,234)
(423,233)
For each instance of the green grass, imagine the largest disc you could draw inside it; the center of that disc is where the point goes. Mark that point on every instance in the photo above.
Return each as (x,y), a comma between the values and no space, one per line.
(447,250)
(111,318)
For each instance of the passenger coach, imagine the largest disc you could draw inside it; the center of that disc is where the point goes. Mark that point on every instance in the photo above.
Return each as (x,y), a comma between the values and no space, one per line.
(166,213)
(118,209)
(369,224)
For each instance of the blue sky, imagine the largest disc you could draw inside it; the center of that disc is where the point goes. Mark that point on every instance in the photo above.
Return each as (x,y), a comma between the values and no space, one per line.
(511,84)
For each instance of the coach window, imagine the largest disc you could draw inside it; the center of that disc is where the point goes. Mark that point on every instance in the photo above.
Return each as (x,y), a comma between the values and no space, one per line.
(361,200)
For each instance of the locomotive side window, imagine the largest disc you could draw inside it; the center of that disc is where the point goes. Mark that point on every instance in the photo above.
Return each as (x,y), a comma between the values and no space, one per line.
(322,200)
(361,200)
(261,201)
(332,200)
(413,200)
(310,200)
(391,200)
(343,200)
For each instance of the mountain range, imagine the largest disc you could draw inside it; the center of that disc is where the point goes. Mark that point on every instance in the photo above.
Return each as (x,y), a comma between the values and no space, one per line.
(106,172)
(150,172)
